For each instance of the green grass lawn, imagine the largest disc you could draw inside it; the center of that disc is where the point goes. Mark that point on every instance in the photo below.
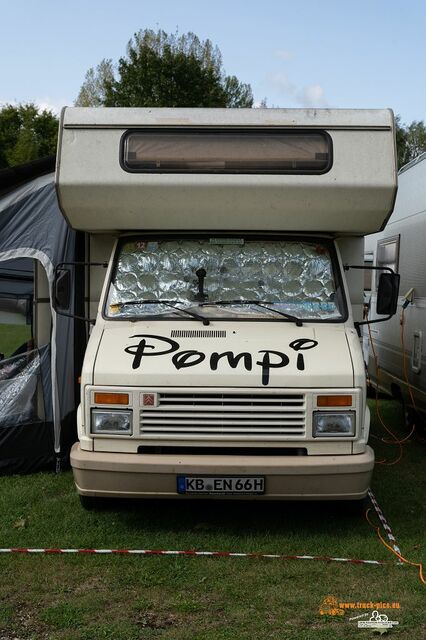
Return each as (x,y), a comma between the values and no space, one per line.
(12,336)
(132,598)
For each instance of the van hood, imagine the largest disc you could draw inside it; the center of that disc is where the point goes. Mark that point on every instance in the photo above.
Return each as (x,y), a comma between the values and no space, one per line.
(226,354)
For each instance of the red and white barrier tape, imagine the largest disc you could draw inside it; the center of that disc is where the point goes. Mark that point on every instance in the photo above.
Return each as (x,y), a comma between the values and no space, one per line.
(189,552)
(385,524)
(215,554)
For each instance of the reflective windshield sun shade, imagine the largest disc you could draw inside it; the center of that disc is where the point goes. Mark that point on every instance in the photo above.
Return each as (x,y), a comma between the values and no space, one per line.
(256,151)
(292,276)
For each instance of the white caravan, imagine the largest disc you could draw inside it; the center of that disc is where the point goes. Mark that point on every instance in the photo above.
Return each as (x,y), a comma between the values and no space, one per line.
(225,360)
(401,246)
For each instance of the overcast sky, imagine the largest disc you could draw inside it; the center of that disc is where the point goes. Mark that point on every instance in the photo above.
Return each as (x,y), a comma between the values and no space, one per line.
(334,53)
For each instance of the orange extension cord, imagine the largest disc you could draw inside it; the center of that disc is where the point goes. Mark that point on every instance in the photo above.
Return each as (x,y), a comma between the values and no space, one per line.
(398,555)
(394,440)
(404,362)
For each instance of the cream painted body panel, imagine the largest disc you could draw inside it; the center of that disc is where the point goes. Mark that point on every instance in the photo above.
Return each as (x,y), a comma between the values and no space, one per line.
(334,364)
(408,222)
(327,364)
(332,477)
(354,197)
(201,435)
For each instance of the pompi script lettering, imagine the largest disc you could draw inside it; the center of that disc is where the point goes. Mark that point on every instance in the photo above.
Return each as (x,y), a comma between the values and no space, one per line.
(152,346)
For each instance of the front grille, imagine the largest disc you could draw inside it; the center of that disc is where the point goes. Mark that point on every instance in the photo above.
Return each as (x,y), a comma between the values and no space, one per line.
(225,416)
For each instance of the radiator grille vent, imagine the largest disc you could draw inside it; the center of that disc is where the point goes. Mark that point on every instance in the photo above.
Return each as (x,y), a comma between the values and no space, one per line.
(220,416)
(198,333)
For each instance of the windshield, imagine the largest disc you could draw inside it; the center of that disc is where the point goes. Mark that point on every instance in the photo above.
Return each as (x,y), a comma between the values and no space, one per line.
(223,278)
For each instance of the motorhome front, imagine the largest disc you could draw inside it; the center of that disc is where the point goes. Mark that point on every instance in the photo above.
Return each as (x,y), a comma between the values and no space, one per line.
(225,359)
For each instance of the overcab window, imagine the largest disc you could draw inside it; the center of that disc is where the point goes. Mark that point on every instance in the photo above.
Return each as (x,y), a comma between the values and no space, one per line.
(253,151)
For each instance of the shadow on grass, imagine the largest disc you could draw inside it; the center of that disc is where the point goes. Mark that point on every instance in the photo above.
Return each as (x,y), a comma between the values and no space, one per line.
(234,517)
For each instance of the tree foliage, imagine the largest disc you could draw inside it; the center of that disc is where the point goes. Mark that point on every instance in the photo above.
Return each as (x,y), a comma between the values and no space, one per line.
(164,70)
(93,90)
(26,133)
(410,140)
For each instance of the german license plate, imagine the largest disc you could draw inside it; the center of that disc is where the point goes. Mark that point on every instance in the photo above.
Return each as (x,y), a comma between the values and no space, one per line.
(224,485)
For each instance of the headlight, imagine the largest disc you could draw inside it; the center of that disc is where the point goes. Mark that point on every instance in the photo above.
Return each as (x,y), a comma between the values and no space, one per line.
(116,422)
(337,423)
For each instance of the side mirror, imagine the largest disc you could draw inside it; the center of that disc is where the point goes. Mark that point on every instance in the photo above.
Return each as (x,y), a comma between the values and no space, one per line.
(62,289)
(387,294)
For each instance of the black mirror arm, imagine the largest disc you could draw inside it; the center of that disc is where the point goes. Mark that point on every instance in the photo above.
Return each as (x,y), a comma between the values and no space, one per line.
(61,265)
(358,324)
(74,317)
(346,267)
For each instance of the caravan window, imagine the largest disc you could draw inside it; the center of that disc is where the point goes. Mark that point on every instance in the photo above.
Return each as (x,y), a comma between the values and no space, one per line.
(368,277)
(387,255)
(257,151)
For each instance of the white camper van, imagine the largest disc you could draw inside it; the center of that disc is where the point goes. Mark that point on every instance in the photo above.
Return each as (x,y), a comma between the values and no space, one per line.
(401,245)
(225,358)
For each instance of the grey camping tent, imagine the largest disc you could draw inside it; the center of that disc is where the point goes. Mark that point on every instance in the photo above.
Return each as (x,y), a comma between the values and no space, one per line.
(38,386)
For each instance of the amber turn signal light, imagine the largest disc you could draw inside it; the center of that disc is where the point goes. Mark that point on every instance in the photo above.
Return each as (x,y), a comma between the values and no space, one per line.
(111,398)
(334,401)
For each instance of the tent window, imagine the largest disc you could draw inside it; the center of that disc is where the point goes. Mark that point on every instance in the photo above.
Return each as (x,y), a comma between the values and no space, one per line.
(16,306)
(21,398)
(252,151)
(20,378)
(387,255)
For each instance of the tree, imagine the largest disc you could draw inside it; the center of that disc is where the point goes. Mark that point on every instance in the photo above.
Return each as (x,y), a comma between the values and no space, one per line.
(401,141)
(164,70)
(92,92)
(26,133)
(416,139)
(410,140)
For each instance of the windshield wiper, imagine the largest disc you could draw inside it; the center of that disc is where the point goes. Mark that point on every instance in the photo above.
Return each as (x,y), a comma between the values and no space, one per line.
(258,303)
(167,303)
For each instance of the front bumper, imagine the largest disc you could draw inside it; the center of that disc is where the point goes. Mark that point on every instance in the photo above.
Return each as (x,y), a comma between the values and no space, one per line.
(129,475)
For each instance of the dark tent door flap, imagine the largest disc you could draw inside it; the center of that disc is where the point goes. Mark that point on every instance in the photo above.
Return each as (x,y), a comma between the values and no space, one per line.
(37,379)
